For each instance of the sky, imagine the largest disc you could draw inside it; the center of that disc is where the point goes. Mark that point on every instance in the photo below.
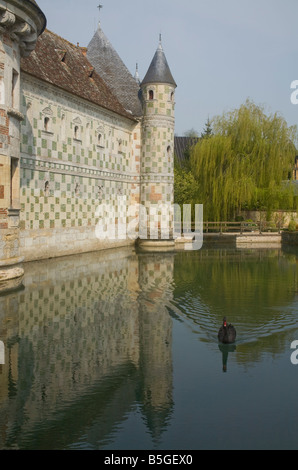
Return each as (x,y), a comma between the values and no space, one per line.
(220,52)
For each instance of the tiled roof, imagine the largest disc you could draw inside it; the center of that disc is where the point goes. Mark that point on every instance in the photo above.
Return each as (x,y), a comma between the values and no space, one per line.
(64,65)
(110,67)
(182,144)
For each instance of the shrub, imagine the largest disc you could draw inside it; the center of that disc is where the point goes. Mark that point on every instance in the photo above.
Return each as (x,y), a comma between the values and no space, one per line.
(292,226)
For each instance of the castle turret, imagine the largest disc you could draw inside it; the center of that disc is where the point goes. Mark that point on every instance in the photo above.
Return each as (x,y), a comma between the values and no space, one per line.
(157,158)
(21,21)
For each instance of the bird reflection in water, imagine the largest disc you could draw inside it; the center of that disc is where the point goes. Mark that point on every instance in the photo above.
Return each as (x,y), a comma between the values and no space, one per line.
(225,350)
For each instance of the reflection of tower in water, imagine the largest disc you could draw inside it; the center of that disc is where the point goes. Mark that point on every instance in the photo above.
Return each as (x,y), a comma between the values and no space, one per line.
(156,280)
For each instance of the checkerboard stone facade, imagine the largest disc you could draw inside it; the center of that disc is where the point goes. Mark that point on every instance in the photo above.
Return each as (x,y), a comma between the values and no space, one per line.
(74,158)
(69,147)
(157,162)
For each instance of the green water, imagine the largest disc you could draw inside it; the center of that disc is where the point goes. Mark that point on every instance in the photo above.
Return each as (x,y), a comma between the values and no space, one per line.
(119,350)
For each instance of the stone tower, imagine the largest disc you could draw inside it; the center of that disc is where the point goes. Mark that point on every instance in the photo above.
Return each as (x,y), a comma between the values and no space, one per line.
(157,144)
(21,22)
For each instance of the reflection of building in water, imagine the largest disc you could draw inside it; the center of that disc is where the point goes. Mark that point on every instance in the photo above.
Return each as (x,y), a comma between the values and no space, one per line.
(156,278)
(2,353)
(90,335)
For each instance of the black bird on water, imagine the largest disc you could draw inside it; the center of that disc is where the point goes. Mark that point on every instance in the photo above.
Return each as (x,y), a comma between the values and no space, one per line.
(227,333)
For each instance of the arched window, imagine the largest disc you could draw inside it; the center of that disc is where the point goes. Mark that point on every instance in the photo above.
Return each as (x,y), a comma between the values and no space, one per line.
(46,124)
(46,188)
(47,119)
(100,135)
(151,95)
(63,127)
(77,189)
(88,134)
(172,96)
(76,132)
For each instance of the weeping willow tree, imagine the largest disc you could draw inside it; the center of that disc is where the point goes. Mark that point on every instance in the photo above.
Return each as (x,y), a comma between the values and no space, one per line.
(245,163)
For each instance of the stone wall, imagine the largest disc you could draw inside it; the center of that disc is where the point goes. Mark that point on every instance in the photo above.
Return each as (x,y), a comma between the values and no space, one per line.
(290,238)
(20,24)
(284,217)
(75,157)
(9,146)
(157,162)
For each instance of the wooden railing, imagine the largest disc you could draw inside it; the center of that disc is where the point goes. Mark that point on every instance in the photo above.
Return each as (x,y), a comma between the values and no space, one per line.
(240,227)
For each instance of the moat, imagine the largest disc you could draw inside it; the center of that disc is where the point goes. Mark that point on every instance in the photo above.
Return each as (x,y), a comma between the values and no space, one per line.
(119,350)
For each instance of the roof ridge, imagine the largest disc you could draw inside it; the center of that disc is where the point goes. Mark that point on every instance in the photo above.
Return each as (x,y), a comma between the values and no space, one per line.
(109,65)
(74,75)
(62,39)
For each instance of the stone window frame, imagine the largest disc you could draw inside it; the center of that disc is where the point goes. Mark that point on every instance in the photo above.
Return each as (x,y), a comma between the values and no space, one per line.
(63,126)
(88,141)
(47,121)
(46,124)
(100,132)
(76,128)
(151,94)
(120,146)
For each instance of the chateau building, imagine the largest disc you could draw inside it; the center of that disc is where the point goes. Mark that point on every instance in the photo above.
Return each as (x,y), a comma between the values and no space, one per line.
(79,135)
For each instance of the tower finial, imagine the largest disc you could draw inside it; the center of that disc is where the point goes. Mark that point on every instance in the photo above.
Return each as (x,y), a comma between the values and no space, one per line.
(160,44)
(137,78)
(99,8)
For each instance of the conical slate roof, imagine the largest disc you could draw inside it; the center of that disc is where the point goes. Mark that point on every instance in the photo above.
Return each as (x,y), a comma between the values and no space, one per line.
(159,70)
(112,70)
